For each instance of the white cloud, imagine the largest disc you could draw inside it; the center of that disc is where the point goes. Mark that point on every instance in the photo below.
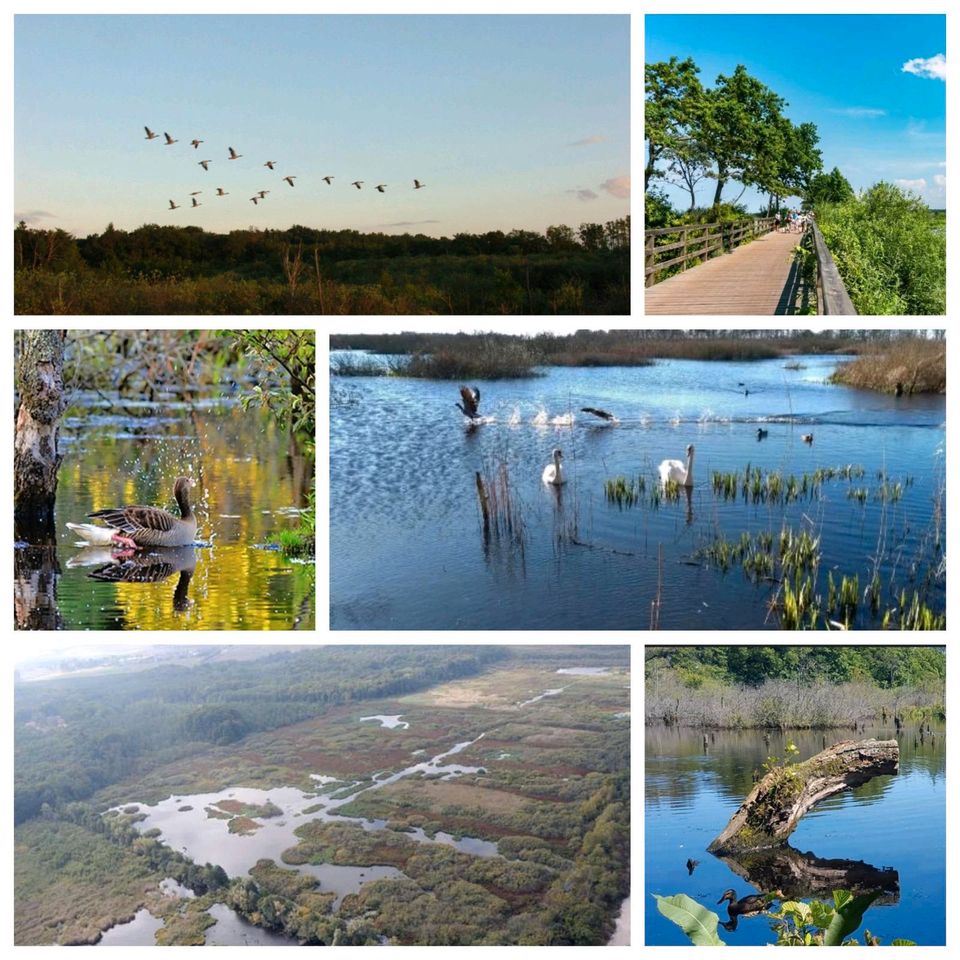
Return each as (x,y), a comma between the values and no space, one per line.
(914,186)
(933,68)
(586,141)
(940,180)
(860,112)
(617,187)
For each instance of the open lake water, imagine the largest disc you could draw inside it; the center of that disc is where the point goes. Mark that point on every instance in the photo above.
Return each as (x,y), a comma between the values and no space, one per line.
(895,824)
(407,547)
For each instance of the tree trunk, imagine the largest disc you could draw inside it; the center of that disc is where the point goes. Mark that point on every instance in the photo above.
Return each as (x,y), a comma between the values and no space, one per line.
(35,457)
(775,805)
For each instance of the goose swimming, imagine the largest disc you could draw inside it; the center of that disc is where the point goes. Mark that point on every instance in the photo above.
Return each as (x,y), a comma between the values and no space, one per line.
(195,143)
(356,183)
(150,134)
(233,154)
(417,185)
(138,526)
(677,472)
(471,402)
(204,164)
(170,139)
(290,179)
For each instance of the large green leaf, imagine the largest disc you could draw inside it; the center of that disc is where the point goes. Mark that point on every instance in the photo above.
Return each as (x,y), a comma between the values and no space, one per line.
(848,914)
(696,921)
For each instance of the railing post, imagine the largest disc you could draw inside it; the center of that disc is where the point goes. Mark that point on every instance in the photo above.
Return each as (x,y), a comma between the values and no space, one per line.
(686,241)
(648,260)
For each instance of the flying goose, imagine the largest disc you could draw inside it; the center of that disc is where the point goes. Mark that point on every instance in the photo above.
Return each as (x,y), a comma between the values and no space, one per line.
(328,179)
(150,134)
(233,154)
(144,526)
(170,139)
(194,193)
(174,206)
(382,187)
(356,183)
(204,164)
(254,199)
(195,143)
(417,185)
(221,192)
(270,164)
(195,202)
(290,179)
(602,414)
(262,194)
(471,402)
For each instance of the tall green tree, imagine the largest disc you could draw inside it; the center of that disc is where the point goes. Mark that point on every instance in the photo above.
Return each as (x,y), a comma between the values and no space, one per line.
(832,187)
(674,96)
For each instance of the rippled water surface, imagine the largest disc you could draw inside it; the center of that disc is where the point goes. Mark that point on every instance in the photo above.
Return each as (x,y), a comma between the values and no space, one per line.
(895,824)
(407,548)
(250,485)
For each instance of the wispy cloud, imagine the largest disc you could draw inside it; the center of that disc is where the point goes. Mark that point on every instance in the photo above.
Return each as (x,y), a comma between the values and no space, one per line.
(407,223)
(584,195)
(940,180)
(933,68)
(917,186)
(617,187)
(859,112)
(586,141)
(33,216)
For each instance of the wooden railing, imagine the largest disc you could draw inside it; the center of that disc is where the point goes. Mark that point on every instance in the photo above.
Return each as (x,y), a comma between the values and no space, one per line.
(696,241)
(832,296)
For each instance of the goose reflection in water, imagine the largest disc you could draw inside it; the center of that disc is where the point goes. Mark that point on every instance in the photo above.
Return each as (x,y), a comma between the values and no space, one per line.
(131,566)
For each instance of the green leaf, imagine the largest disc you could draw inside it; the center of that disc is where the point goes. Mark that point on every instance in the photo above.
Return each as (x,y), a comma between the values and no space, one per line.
(849,912)
(695,920)
(902,943)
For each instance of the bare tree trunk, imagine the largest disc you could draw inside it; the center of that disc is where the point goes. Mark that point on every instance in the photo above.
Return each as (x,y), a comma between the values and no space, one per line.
(36,458)
(774,807)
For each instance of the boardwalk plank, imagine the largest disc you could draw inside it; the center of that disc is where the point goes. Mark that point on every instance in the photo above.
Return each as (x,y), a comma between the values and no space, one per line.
(754,279)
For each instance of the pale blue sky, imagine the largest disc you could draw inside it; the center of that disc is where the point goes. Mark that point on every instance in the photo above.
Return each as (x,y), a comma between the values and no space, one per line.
(510,121)
(845,73)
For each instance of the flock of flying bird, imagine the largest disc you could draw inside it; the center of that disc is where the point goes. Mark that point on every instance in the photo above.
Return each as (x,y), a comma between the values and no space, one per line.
(671,471)
(269,164)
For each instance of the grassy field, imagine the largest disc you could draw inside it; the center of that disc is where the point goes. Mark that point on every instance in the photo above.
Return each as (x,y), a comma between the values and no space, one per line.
(553,788)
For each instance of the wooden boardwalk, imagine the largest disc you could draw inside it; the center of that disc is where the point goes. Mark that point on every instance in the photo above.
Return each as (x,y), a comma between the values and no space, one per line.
(757,279)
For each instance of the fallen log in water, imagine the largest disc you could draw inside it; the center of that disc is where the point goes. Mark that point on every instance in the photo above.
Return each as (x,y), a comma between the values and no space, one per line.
(775,805)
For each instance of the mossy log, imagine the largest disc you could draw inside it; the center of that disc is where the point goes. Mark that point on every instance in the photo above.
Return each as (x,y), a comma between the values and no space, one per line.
(774,807)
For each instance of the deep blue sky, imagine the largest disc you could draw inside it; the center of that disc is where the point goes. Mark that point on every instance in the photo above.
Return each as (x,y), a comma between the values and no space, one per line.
(510,121)
(844,73)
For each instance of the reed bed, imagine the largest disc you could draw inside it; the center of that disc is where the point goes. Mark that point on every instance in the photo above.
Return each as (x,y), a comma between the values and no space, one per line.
(906,367)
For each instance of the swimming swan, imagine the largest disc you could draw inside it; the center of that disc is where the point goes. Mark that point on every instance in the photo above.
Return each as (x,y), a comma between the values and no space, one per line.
(674,470)
(553,472)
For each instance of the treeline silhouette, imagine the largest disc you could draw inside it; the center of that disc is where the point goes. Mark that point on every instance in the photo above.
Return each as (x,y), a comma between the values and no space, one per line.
(169,269)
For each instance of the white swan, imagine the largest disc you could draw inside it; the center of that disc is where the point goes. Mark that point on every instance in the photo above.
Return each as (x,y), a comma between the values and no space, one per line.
(553,472)
(676,471)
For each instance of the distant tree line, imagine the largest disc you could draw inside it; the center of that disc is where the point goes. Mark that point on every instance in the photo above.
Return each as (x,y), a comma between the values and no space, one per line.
(74,736)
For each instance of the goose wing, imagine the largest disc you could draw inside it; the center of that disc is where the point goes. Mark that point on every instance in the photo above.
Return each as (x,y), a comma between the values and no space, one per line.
(137,519)
(471,401)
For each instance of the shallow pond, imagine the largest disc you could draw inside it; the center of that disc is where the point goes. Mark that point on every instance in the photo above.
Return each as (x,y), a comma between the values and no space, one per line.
(250,485)
(888,834)
(138,932)
(408,549)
